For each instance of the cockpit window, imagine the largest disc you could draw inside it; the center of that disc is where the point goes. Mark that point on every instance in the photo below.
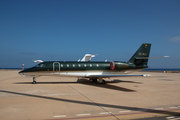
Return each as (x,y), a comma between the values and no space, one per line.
(40,65)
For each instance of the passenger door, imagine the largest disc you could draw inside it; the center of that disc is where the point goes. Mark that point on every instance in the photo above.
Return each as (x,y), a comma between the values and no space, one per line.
(56,68)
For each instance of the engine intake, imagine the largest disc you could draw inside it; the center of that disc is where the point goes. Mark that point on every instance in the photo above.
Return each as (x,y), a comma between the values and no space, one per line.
(112,65)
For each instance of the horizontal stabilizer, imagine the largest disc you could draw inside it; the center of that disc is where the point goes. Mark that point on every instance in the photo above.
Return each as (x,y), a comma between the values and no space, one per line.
(150,57)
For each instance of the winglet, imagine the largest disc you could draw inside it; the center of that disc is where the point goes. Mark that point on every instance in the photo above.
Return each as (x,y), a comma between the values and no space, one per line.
(87,57)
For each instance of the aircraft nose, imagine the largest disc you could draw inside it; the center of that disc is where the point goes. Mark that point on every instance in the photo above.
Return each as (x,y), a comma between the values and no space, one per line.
(20,73)
(25,72)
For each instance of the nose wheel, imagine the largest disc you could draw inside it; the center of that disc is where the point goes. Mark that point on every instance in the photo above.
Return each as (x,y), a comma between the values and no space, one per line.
(34,81)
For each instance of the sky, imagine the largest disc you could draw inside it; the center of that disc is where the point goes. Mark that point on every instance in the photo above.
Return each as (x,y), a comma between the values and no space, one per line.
(66,30)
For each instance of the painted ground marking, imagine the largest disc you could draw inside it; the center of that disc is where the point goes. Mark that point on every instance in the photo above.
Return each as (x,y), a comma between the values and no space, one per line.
(158,108)
(105,112)
(126,111)
(60,116)
(83,114)
(173,107)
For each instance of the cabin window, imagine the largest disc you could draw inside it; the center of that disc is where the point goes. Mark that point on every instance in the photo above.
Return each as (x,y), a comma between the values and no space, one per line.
(67,65)
(97,65)
(73,65)
(84,65)
(79,65)
(90,65)
(61,65)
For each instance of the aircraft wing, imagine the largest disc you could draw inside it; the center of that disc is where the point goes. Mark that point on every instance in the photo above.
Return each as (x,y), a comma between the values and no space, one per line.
(107,76)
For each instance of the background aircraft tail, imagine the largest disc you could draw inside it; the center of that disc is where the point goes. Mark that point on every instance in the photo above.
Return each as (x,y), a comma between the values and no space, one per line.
(140,58)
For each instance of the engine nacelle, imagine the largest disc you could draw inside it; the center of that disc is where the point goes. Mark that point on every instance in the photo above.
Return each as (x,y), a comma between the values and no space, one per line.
(118,65)
(112,65)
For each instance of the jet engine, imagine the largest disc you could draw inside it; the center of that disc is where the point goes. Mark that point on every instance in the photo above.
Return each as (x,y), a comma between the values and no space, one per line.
(112,65)
(119,65)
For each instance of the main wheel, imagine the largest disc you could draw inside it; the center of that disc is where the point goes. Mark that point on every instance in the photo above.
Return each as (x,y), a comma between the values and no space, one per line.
(103,82)
(94,80)
(34,81)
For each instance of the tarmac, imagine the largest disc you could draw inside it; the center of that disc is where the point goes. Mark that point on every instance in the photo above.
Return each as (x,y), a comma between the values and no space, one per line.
(66,98)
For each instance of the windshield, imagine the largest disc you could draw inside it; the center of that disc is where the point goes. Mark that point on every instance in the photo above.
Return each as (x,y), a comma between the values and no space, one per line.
(40,65)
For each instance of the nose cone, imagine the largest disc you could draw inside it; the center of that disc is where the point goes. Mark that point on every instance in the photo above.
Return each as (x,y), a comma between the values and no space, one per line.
(21,72)
(28,72)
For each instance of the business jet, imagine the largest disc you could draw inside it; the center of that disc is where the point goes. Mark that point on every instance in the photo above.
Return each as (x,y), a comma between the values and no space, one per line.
(94,71)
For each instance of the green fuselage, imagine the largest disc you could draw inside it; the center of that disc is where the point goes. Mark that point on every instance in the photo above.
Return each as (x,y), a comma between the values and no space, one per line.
(80,68)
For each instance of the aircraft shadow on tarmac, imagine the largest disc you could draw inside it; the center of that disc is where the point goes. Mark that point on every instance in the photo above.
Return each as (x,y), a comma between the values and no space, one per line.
(90,83)
(166,112)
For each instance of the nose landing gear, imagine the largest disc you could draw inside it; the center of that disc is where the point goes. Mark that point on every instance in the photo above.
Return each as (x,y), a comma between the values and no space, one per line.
(34,80)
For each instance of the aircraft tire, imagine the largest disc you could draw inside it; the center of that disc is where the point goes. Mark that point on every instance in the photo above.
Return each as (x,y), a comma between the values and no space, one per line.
(34,82)
(103,82)
(94,80)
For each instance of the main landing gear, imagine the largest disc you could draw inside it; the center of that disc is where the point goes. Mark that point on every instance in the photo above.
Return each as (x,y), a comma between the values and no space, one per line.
(34,80)
(100,80)
(94,80)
